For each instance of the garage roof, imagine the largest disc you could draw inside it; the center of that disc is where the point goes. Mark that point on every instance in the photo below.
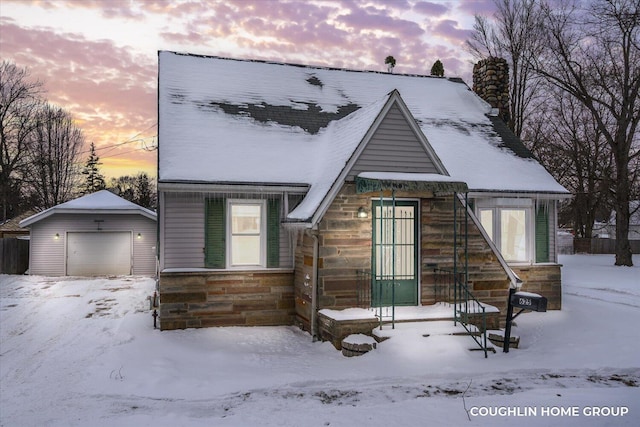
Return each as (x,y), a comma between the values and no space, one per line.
(101,202)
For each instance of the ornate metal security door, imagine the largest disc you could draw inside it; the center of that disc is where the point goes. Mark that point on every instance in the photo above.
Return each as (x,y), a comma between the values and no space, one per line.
(395,253)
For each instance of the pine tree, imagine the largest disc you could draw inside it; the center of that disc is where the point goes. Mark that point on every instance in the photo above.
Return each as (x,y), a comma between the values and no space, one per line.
(437,69)
(94,180)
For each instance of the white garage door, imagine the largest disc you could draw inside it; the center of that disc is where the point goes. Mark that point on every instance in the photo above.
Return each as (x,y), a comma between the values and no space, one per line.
(98,254)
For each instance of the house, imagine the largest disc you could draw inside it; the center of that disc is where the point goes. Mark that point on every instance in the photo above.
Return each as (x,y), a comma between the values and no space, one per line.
(11,227)
(285,190)
(609,229)
(95,235)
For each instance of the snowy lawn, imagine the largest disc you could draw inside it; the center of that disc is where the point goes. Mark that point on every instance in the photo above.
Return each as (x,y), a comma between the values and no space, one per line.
(83,352)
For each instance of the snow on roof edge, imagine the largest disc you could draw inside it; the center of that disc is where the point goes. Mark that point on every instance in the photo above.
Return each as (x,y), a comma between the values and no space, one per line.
(110,203)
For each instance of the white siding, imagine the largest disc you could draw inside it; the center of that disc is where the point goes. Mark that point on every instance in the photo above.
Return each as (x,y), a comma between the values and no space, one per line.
(183,230)
(48,253)
(183,224)
(394,147)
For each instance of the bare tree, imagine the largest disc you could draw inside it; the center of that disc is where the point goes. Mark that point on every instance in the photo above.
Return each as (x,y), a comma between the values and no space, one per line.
(565,138)
(513,34)
(53,171)
(139,189)
(19,103)
(593,54)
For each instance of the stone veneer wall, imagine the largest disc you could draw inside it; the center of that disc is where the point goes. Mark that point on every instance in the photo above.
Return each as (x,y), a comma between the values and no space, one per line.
(491,83)
(303,280)
(543,279)
(488,281)
(345,247)
(226,298)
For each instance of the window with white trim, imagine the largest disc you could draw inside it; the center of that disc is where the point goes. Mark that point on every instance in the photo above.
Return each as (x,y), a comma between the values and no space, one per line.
(509,224)
(242,233)
(247,231)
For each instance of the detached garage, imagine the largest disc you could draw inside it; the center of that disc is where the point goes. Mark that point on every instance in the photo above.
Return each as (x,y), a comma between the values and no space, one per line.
(99,234)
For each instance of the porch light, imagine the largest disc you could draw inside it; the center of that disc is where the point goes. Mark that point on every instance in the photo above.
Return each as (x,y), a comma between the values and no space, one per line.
(139,236)
(57,236)
(362,213)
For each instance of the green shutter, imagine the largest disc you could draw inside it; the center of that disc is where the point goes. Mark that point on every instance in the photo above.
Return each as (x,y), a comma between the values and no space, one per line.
(215,234)
(273,233)
(542,234)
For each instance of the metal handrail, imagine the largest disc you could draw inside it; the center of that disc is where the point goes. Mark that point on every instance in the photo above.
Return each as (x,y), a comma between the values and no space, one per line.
(465,303)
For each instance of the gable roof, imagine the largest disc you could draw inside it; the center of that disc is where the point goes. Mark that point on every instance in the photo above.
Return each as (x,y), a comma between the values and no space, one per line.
(12,225)
(349,139)
(224,120)
(100,202)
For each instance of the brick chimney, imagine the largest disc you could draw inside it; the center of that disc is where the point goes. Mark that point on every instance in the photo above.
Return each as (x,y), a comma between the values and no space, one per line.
(491,83)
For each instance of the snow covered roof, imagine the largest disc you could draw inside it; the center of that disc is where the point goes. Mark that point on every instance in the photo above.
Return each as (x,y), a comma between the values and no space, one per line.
(100,202)
(224,120)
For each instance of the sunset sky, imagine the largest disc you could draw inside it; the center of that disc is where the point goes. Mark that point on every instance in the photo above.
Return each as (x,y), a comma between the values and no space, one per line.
(98,58)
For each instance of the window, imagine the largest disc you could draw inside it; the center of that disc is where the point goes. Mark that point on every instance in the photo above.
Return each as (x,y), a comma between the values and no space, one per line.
(509,227)
(486,219)
(520,228)
(242,233)
(513,234)
(247,242)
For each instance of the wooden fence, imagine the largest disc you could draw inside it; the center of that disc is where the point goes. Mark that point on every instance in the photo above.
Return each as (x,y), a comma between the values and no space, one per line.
(601,246)
(14,255)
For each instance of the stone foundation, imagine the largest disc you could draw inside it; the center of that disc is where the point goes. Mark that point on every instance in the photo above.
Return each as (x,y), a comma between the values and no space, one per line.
(493,321)
(543,279)
(335,331)
(226,298)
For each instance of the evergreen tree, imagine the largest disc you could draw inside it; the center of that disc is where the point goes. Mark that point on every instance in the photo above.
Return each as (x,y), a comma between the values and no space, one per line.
(391,63)
(437,69)
(94,180)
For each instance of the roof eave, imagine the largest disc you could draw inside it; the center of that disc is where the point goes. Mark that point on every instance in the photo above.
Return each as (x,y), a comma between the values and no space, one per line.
(540,194)
(45,214)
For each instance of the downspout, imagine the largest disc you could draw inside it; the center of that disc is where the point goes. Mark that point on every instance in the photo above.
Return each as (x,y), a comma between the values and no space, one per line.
(314,285)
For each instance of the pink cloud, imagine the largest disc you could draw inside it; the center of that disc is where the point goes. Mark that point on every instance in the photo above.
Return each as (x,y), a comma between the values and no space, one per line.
(448,29)
(103,86)
(365,20)
(479,7)
(430,9)
(112,90)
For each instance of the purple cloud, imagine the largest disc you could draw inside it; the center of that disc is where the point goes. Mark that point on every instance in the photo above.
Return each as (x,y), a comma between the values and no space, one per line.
(430,9)
(477,7)
(448,29)
(364,20)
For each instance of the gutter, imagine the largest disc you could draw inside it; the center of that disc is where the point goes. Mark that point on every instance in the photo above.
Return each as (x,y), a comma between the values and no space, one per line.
(314,285)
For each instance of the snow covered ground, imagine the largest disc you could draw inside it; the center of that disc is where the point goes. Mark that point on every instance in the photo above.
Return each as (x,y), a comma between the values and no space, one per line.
(83,352)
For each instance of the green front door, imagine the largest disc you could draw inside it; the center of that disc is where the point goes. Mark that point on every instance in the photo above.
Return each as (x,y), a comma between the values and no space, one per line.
(395,253)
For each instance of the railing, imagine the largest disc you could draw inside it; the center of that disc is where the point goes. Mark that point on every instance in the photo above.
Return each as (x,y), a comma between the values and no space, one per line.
(465,306)
(363,291)
(449,287)
(444,283)
(383,289)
